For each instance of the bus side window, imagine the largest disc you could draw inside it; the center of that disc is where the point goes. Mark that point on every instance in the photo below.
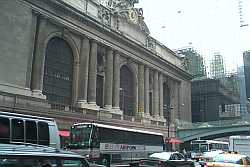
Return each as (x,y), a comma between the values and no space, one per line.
(96,138)
(43,133)
(31,132)
(17,130)
(211,146)
(4,130)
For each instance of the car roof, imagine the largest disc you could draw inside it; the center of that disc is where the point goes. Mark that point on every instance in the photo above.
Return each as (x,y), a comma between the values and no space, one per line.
(162,155)
(35,150)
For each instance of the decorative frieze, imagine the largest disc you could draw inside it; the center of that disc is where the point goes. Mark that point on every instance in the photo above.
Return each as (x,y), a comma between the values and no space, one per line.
(151,43)
(104,15)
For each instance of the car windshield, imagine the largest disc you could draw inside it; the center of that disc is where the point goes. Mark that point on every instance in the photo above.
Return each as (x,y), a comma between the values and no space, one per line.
(228,159)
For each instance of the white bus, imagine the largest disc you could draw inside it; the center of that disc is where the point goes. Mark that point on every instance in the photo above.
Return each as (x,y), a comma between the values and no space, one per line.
(111,144)
(18,129)
(198,147)
(240,144)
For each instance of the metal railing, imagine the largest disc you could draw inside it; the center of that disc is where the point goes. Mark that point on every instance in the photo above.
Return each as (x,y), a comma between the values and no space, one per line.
(221,123)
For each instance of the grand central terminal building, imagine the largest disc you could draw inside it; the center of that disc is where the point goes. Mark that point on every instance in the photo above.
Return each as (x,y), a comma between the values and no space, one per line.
(89,60)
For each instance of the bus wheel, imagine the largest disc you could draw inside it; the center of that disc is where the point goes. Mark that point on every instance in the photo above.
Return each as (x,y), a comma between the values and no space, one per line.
(105,160)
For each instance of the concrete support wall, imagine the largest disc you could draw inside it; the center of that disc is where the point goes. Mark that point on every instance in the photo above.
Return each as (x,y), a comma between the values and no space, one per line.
(17,31)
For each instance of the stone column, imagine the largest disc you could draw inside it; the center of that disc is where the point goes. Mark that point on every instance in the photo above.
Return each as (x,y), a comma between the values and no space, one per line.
(75,82)
(83,71)
(180,103)
(108,79)
(174,99)
(156,95)
(38,59)
(92,73)
(161,95)
(146,91)
(141,89)
(116,82)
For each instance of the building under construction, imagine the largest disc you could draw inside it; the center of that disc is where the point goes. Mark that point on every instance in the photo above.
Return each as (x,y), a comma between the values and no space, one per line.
(213,98)
(246,60)
(194,62)
(217,68)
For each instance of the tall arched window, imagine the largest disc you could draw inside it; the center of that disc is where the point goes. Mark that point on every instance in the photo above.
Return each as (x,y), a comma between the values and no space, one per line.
(58,72)
(166,100)
(127,93)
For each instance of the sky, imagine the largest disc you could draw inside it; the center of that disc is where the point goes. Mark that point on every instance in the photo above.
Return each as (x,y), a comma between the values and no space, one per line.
(208,26)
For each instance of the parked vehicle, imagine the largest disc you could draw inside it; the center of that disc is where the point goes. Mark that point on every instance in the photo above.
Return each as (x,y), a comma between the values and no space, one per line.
(208,156)
(229,160)
(240,144)
(19,128)
(105,143)
(12,155)
(198,147)
(167,159)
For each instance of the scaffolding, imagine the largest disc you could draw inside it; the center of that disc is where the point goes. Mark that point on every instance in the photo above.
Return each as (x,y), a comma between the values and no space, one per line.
(195,62)
(217,68)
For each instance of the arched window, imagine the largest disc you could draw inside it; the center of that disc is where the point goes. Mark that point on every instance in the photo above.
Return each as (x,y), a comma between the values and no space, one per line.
(166,100)
(127,93)
(58,72)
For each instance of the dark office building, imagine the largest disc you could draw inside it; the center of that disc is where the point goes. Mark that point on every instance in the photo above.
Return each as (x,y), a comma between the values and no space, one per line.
(246,59)
(213,99)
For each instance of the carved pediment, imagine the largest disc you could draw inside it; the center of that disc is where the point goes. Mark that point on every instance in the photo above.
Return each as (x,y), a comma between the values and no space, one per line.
(123,9)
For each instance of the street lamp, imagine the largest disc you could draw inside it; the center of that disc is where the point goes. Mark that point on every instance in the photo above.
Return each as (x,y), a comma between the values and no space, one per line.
(167,109)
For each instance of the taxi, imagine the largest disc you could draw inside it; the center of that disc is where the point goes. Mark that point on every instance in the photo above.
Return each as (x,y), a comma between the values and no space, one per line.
(229,160)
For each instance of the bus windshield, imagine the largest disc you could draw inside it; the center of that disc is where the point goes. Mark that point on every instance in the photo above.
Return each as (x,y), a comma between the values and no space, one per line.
(80,136)
(199,147)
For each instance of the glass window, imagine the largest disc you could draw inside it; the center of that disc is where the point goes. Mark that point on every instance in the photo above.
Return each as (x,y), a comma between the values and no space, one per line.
(203,147)
(4,130)
(81,135)
(228,159)
(96,138)
(43,133)
(17,130)
(58,72)
(195,147)
(31,132)
(127,85)
(74,163)
(180,156)
(173,157)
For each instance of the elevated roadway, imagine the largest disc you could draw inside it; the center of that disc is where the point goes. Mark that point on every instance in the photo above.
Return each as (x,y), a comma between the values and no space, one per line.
(211,130)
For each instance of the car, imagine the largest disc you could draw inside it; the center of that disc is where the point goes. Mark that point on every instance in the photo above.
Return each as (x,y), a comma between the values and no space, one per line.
(29,155)
(165,159)
(230,159)
(208,156)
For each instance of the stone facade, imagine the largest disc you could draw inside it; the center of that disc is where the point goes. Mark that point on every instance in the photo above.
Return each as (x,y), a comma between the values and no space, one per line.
(28,26)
